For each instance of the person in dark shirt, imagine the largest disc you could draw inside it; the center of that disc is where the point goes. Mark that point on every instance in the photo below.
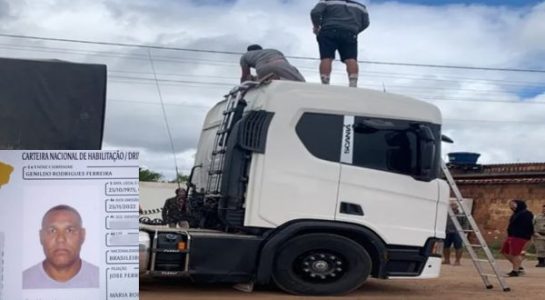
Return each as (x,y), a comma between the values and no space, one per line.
(519,232)
(337,24)
(452,237)
(175,209)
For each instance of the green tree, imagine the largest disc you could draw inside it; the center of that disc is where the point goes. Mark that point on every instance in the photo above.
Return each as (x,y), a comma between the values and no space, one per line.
(180,178)
(149,175)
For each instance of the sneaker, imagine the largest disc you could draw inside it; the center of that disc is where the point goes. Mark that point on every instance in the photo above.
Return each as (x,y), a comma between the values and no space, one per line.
(513,274)
(521,271)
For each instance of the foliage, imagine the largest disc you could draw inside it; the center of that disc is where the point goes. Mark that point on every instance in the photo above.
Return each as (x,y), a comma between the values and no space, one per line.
(149,175)
(180,178)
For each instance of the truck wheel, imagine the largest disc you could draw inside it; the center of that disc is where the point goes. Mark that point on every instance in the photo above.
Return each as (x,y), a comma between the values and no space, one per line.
(321,264)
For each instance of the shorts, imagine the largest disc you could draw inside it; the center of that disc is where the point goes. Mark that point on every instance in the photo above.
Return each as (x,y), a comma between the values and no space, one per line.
(453,238)
(513,246)
(331,40)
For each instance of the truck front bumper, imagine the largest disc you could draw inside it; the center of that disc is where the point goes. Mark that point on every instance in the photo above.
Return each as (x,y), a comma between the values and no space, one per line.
(415,262)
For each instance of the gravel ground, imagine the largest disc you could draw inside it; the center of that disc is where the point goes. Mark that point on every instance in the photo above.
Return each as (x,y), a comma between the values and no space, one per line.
(456,282)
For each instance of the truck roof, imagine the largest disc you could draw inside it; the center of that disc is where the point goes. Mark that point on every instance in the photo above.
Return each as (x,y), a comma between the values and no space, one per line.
(289,98)
(314,97)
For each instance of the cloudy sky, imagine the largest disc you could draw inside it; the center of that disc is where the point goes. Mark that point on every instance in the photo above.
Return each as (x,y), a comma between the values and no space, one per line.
(499,114)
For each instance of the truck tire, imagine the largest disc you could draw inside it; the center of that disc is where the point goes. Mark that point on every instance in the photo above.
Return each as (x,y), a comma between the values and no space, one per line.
(321,264)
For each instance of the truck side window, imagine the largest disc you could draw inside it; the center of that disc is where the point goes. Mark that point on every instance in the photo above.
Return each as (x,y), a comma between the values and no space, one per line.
(395,146)
(321,134)
(391,147)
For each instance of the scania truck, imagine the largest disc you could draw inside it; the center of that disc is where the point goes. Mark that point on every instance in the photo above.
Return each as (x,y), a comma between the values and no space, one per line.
(314,188)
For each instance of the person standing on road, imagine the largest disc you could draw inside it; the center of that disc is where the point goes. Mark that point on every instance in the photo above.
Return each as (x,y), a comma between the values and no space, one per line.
(265,62)
(175,210)
(539,237)
(337,24)
(519,231)
(453,238)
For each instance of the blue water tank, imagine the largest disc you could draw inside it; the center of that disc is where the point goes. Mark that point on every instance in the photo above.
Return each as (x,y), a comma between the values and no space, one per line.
(463,158)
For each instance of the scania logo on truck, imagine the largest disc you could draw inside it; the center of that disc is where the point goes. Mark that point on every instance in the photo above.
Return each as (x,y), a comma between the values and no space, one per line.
(348,140)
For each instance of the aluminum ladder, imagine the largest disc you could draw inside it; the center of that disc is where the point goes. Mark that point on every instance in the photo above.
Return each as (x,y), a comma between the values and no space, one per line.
(473,228)
(233,112)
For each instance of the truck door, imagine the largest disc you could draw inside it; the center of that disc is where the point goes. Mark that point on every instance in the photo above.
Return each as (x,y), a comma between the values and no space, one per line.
(388,178)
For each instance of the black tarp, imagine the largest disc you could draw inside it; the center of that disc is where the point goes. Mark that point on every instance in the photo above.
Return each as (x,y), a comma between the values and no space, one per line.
(51,105)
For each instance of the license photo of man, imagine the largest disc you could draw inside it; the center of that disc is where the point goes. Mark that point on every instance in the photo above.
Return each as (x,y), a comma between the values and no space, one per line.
(61,235)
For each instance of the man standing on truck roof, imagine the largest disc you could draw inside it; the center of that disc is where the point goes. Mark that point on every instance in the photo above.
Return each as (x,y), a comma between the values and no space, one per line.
(337,24)
(265,62)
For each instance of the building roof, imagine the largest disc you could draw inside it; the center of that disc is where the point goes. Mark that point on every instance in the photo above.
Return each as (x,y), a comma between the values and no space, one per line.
(517,173)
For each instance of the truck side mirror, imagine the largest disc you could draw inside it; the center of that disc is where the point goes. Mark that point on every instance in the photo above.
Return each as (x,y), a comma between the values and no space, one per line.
(428,156)
(425,133)
(428,148)
(446,139)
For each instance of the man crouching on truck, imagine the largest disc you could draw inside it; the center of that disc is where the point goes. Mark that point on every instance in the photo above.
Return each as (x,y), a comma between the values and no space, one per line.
(265,62)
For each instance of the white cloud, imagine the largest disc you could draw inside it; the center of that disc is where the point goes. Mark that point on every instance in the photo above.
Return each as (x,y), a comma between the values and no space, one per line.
(532,33)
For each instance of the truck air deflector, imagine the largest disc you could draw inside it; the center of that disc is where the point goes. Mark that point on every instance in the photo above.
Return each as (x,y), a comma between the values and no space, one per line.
(247,136)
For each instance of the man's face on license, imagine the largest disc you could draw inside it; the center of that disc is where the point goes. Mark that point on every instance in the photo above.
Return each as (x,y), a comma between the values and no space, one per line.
(61,237)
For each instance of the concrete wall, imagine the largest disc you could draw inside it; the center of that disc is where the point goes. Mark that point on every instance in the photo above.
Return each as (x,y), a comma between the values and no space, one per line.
(153,196)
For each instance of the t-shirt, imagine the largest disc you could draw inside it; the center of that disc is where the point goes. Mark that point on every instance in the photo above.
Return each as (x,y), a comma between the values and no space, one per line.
(35,277)
(521,224)
(174,210)
(259,58)
(450,225)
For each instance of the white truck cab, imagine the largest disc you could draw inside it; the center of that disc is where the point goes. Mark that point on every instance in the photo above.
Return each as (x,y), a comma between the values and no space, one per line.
(313,187)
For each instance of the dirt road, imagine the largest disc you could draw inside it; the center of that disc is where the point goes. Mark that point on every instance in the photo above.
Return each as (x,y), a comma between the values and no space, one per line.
(455,283)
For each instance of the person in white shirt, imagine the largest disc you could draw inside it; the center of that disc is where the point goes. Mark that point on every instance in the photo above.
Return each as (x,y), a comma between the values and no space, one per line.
(61,236)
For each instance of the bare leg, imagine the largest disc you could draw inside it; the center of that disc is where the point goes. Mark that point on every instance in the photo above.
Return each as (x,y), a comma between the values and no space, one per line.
(352,69)
(511,259)
(517,261)
(325,70)
(446,256)
(458,253)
